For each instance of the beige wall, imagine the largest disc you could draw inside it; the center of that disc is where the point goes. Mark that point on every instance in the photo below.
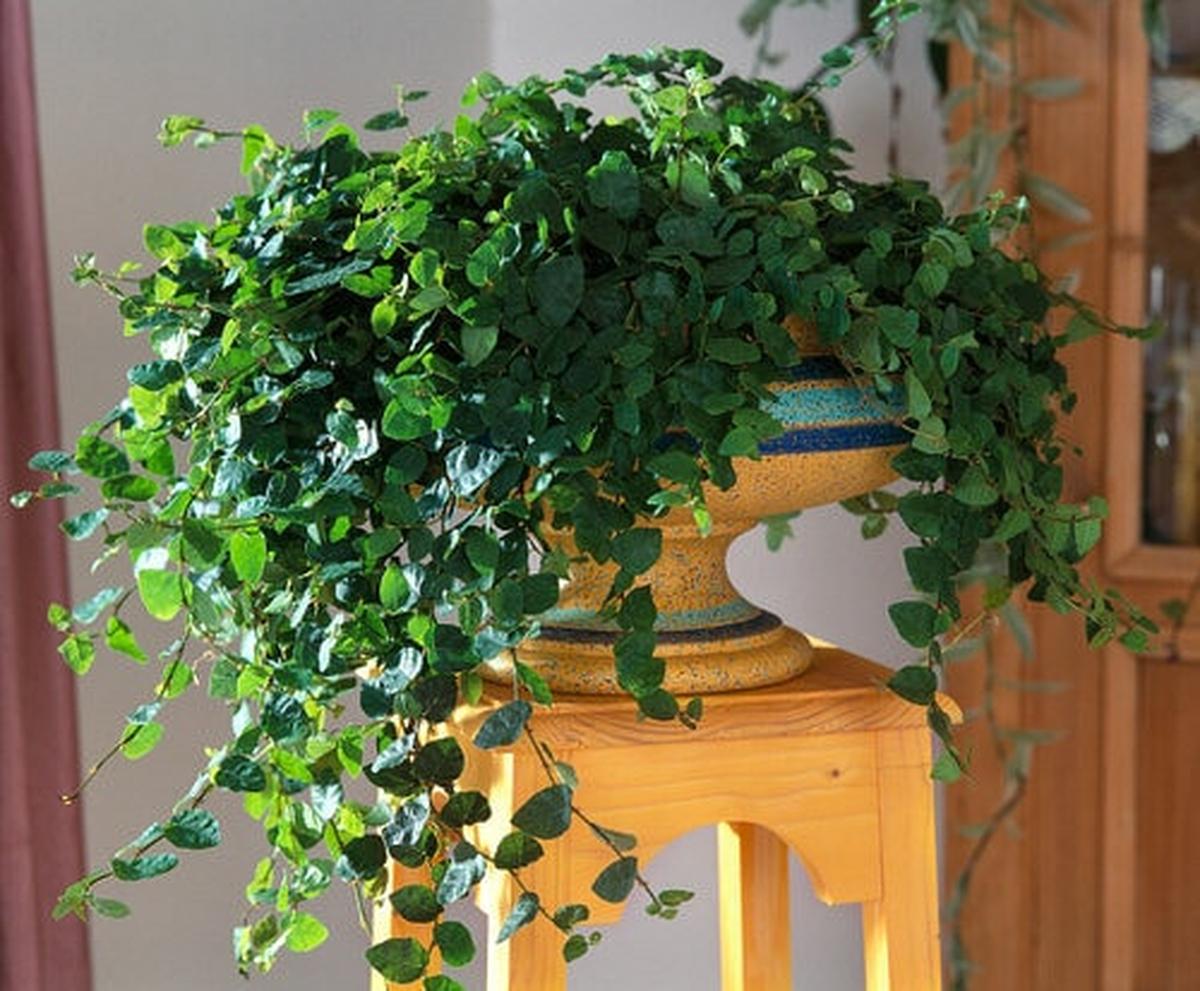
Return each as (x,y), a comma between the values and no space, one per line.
(107,73)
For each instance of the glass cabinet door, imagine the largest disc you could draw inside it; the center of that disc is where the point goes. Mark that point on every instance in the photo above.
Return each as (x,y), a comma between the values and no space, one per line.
(1171,448)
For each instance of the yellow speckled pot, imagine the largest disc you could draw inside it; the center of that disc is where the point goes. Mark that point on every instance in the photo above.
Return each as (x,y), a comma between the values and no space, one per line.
(838,442)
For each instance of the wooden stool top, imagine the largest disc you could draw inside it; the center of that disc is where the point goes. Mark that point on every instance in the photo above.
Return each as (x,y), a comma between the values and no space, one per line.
(840,693)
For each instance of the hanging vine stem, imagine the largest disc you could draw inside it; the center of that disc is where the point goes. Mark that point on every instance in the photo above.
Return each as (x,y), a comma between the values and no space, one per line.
(1013,756)
(130,733)
(599,831)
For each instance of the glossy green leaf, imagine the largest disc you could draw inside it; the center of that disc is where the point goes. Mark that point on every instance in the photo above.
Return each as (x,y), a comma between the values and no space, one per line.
(546,814)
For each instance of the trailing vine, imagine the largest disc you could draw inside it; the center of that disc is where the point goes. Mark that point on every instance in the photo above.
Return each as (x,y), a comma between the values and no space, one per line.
(390,375)
(987,143)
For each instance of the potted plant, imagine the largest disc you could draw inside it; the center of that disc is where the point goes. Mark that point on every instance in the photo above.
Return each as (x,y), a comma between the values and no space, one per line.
(396,397)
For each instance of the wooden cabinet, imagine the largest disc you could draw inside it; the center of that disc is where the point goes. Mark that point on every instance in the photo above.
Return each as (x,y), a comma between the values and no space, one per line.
(1098,886)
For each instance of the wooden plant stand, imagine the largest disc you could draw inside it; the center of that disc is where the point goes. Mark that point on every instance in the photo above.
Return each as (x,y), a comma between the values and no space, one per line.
(829,764)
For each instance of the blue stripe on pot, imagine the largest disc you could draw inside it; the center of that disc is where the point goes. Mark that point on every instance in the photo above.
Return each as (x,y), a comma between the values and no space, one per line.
(726,614)
(761,623)
(835,438)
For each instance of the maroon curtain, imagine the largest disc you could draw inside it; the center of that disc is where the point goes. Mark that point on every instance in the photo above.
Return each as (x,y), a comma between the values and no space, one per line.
(41,840)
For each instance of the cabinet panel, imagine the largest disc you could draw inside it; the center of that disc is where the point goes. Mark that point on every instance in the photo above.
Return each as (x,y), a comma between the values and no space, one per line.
(1168,812)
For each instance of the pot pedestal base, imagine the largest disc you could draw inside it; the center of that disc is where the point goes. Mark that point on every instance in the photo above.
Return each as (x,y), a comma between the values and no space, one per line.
(761,651)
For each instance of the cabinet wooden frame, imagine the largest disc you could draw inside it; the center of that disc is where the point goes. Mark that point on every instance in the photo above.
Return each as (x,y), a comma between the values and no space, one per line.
(1084,898)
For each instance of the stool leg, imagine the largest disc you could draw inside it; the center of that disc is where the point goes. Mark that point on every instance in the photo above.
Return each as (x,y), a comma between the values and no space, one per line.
(756,951)
(532,959)
(900,930)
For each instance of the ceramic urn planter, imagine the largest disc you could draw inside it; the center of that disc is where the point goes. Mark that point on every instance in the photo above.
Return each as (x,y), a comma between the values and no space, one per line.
(838,442)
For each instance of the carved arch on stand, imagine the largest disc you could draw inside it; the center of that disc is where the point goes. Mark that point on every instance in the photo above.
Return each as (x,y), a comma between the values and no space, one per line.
(820,846)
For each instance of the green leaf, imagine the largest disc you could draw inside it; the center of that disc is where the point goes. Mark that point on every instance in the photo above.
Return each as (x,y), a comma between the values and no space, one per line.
(454,941)
(569,916)
(383,316)
(424,266)
(658,704)
(946,768)
(161,592)
(915,683)
(974,489)
(689,180)
(248,553)
(524,911)
(546,814)
(100,459)
(240,773)
(73,901)
(534,682)
(85,524)
(539,592)
(119,637)
(394,593)
(932,277)
(478,343)
(387,121)
(109,907)
(465,808)
(58,616)
(930,437)
(193,829)
(733,351)
(88,612)
(155,375)
(638,549)
(919,404)
(575,947)
(283,718)
(900,326)
(401,959)
(739,442)
(203,545)
(504,725)
(1013,524)
(621,842)
(517,850)
(841,57)
(141,868)
(615,882)
(638,610)
(365,855)
(55,461)
(842,201)
(558,289)
(79,651)
(675,466)
(177,679)
(1087,533)
(916,622)
(176,128)
(469,466)
(141,739)
(613,184)
(306,933)
(440,761)
(416,903)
